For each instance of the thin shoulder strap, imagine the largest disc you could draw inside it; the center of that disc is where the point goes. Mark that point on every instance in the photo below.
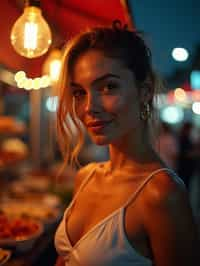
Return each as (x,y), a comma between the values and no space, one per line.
(142,185)
(83,184)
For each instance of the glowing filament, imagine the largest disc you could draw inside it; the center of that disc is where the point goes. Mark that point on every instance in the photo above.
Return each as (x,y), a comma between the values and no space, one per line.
(30,35)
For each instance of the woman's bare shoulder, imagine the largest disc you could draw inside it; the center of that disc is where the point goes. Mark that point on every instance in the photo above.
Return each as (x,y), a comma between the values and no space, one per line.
(86,169)
(163,186)
(167,214)
(82,173)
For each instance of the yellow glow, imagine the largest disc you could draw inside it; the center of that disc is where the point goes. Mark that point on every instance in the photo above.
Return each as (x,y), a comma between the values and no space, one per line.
(55,69)
(21,83)
(52,65)
(180,95)
(36,84)
(20,75)
(30,35)
(28,84)
(44,81)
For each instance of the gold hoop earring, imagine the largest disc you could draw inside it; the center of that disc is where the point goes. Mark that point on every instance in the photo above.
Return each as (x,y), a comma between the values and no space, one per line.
(145,114)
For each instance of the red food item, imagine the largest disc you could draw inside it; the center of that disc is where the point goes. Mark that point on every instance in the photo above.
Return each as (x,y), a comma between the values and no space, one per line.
(16,228)
(3,219)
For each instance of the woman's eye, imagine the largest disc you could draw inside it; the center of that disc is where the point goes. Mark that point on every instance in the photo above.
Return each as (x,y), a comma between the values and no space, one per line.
(78,93)
(109,87)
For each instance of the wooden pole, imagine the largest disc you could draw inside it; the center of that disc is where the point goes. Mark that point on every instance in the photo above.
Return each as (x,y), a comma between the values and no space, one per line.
(128,13)
(35,117)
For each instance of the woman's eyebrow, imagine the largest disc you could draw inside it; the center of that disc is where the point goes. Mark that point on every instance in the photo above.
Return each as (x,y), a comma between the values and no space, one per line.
(106,76)
(97,80)
(73,84)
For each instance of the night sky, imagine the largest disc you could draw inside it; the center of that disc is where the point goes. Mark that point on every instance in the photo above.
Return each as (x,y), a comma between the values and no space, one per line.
(168,24)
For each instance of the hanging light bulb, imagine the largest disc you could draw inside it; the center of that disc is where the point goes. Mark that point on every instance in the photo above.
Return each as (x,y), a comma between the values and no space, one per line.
(31,35)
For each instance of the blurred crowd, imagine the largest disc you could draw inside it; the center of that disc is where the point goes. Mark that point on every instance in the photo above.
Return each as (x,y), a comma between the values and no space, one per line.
(180,150)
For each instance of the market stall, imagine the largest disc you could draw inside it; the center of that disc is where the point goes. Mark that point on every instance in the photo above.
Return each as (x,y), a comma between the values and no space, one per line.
(32,199)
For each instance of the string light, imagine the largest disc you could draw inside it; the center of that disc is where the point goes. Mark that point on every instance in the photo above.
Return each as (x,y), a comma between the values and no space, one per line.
(29,83)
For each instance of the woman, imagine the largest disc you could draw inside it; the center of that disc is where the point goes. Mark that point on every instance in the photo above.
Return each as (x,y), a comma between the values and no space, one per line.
(129,210)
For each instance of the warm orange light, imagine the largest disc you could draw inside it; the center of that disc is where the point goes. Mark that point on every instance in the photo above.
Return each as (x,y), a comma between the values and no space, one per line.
(31,35)
(180,95)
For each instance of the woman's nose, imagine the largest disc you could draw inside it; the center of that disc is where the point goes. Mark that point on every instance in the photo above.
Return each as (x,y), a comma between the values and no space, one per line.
(93,104)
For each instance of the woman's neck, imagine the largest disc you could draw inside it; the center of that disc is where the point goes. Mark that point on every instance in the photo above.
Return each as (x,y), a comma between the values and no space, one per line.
(132,153)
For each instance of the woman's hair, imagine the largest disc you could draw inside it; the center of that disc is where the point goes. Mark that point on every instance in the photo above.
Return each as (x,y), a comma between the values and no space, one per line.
(115,42)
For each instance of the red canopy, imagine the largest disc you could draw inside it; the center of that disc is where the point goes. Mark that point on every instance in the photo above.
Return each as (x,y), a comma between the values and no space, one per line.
(65,17)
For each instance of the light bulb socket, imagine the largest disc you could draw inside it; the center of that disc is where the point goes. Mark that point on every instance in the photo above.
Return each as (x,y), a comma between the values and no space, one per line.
(35,3)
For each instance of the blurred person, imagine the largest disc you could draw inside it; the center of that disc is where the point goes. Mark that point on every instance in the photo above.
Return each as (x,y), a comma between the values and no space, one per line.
(167,146)
(186,156)
(195,182)
(129,210)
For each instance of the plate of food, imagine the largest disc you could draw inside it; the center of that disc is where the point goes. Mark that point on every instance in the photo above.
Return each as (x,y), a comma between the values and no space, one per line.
(19,232)
(4,256)
(37,211)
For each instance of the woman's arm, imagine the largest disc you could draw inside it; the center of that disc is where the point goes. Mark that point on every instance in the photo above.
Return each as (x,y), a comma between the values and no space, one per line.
(169,223)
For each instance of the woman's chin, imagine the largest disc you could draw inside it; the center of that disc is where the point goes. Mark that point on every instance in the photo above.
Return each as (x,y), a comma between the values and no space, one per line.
(100,140)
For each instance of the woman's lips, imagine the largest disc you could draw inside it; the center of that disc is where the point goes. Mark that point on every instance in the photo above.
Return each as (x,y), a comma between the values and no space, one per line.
(97,126)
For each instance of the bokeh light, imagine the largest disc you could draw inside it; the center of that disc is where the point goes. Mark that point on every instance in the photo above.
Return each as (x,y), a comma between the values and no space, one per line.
(172,114)
(52,103)
(180,95)
(180,54)
(196,108)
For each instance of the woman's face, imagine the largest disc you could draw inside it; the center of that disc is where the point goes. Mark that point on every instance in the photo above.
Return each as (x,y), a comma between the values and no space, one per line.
(105,97)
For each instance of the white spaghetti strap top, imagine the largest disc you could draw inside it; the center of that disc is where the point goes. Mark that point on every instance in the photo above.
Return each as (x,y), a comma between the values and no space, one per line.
(106,243)
(142,185)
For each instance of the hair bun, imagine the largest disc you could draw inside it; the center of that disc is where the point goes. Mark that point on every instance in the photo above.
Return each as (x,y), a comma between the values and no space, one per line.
(117,25)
